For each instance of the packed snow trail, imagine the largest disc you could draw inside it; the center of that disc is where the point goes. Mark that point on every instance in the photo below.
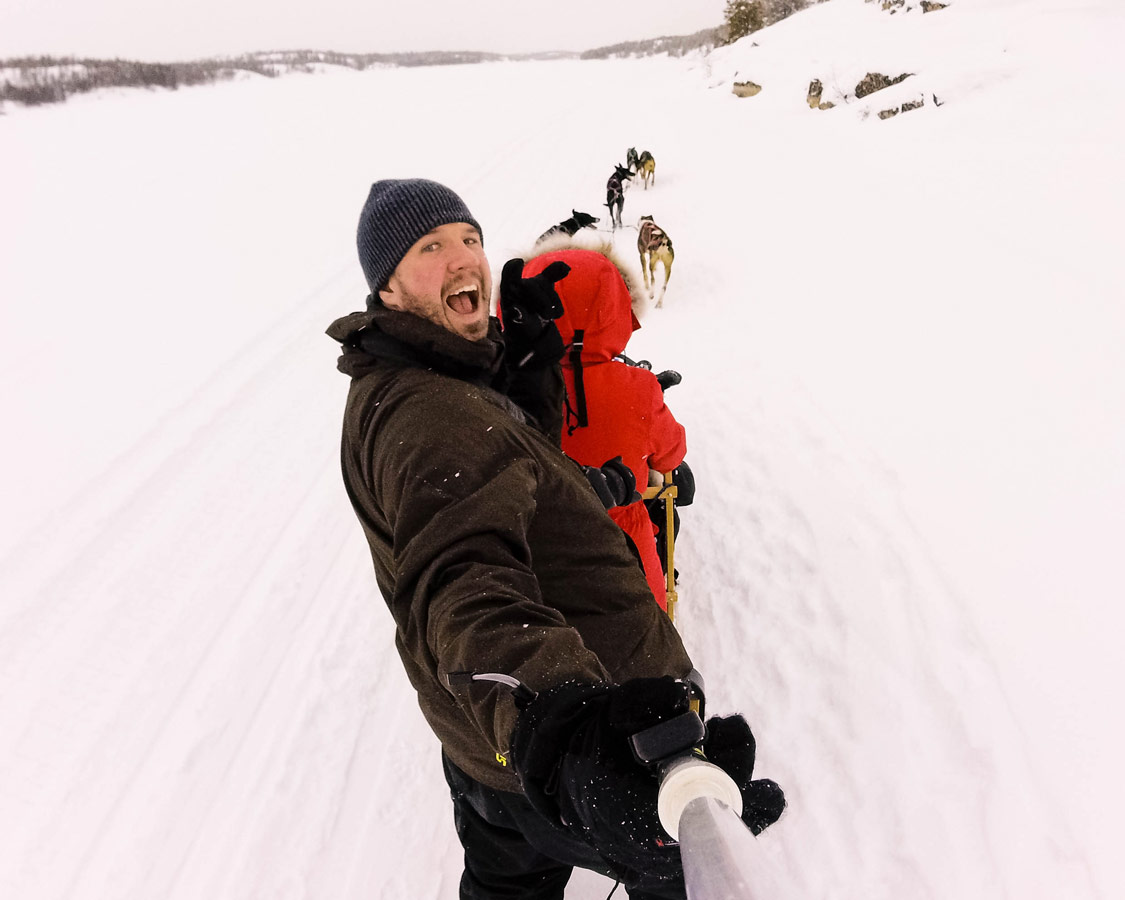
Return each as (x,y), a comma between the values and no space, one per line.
(201,696)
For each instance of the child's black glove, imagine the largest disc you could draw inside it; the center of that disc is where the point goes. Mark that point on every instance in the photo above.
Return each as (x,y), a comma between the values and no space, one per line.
(529,307)
(613,482)
(684,481)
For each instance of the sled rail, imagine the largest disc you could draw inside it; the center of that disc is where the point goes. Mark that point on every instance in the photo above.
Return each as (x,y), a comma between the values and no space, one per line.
(667,492)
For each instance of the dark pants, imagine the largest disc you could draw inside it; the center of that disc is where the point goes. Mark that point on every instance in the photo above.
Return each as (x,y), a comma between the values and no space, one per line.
(514,853)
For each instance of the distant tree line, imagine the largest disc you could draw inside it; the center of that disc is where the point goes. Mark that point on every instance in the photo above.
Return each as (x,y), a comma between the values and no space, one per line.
(673,46)
(295,59)
(46,79)
(49,79)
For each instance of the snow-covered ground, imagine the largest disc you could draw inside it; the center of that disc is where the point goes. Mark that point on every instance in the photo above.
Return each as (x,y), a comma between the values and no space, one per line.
(905,407)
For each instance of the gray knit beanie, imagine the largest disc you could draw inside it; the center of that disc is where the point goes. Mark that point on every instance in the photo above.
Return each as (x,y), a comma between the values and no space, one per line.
(398,211)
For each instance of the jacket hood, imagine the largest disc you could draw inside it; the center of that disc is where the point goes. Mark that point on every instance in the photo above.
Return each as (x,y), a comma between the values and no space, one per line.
(382,334)
(596,299)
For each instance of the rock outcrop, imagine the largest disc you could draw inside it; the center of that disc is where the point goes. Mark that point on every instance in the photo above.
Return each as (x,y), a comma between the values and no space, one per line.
(746,89)
(816,89)
(906,107)
(874,81)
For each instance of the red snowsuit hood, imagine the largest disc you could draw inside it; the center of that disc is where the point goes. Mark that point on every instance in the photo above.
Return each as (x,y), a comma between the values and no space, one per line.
(596,300)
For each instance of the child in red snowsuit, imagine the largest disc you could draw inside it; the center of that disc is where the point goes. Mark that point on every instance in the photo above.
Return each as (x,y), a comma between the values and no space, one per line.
(613,409)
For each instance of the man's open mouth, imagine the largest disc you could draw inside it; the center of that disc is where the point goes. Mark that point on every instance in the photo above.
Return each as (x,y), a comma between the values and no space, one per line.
(463,300)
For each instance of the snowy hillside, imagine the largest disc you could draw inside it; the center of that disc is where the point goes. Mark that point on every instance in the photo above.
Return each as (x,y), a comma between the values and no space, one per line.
(903,392)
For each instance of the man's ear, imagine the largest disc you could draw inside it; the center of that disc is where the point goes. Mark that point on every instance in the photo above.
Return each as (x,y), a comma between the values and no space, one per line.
(388,297)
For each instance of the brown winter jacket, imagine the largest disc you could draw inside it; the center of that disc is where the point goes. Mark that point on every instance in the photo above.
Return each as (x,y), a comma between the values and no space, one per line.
(490,548)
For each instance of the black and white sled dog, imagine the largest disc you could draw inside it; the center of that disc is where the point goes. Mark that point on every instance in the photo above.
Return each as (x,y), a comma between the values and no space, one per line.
(569,226)
(615,193)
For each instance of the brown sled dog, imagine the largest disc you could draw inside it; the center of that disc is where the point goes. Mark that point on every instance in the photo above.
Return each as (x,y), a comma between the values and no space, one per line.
(654,246)
(647,167)
(643,163)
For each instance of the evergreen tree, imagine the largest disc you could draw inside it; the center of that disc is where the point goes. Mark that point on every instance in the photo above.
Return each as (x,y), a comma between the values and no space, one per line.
(742,17)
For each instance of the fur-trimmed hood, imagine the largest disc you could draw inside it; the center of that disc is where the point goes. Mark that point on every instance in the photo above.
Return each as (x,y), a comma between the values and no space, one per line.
(596,296)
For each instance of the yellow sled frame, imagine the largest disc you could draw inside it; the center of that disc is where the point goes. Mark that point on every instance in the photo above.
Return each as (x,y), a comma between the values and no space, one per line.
(668,493)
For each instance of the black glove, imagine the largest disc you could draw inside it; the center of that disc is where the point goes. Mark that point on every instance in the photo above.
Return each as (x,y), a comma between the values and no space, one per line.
(613,482)
(684,481)
(529,307)
(730,746)
(668,378)
(571,750)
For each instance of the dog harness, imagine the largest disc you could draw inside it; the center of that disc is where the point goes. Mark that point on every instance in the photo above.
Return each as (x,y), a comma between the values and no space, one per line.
(652,236)
(614,189)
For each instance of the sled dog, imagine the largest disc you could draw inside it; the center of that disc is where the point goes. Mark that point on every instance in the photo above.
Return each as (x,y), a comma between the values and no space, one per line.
(615,193)
(642,164)
(570,226)
(654,246)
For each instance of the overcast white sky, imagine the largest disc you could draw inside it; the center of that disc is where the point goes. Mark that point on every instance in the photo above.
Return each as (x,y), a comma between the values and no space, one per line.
(187,29)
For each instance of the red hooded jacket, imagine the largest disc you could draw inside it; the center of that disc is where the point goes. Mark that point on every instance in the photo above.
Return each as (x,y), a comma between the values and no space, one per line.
(624,404)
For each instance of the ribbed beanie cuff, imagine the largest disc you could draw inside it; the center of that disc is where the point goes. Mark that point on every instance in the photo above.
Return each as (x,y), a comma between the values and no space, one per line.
(396,214)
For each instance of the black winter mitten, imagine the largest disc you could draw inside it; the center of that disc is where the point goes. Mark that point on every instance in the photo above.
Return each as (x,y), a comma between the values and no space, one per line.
(529,307)
(668,378)
(621,480)
(601,487)
(571,750)
(684,481)
(730,746)
(613,482)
